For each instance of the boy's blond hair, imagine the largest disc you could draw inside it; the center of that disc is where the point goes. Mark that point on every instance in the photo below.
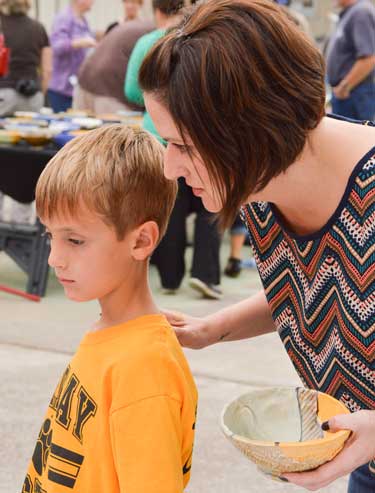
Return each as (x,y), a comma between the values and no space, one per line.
(115,171)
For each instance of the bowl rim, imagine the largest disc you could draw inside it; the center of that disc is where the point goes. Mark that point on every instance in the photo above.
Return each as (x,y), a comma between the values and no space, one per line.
(328,436)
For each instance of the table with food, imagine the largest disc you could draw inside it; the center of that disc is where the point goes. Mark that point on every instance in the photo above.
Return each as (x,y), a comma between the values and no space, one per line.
(28,141)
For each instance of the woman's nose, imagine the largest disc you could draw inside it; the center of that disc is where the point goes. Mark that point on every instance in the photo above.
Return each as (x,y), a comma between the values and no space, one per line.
(173,166)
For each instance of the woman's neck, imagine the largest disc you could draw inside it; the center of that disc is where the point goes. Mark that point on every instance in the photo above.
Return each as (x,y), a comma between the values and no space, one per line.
(310,190)
(77,11)
(165,22)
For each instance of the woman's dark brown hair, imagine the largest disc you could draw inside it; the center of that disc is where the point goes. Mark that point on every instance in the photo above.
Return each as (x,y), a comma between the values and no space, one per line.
(246,84)
(168,7)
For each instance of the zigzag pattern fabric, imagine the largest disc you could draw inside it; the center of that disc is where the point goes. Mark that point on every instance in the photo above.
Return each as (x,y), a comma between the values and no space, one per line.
(321,290)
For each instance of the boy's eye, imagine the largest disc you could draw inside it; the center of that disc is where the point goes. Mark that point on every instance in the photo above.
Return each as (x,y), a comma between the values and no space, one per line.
(48,235)
(76,242)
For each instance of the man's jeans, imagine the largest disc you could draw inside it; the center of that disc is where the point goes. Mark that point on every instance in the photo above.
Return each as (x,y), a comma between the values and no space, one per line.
(362,480)
(360,105)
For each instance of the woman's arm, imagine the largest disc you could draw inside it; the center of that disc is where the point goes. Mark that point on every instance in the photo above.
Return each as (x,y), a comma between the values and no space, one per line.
(62,41)
(45,67)
(249,318)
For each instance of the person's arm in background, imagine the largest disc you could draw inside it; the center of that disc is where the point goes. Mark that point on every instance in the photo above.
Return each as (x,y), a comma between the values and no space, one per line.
(131,88)
(360,70)
(248,318)
(45,67)
(61,37)
(364,42)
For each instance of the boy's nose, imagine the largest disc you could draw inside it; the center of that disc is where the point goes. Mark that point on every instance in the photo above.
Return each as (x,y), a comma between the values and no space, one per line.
(55,259)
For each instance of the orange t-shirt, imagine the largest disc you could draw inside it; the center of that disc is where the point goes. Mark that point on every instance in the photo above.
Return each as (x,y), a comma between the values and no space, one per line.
(122,417)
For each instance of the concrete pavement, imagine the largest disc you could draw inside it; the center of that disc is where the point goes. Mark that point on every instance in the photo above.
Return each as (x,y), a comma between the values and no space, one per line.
(37,340)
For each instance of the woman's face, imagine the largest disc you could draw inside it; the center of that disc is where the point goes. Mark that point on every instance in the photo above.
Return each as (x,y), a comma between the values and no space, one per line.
(84,5)
(182,160)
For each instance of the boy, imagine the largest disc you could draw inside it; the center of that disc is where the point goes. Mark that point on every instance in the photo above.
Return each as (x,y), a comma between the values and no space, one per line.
(123,415)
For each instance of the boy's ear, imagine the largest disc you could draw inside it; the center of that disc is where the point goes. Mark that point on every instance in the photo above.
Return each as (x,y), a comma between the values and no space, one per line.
(145,237)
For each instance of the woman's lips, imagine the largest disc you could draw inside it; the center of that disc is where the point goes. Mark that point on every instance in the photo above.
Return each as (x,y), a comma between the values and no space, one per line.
(198,191)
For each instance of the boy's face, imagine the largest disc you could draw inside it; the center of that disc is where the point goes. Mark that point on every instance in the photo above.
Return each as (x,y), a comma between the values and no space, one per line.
(88,259)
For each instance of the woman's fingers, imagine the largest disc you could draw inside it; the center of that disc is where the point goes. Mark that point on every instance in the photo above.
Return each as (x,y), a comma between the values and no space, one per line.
(359,449)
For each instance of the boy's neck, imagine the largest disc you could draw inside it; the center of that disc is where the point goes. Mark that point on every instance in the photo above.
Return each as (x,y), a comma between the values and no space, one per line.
(131,300)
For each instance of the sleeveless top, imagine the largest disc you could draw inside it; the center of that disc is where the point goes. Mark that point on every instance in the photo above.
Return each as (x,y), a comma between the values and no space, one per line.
(321,290)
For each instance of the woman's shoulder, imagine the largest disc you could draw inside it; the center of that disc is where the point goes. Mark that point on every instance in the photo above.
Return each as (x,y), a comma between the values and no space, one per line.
(63,17)
(37,26)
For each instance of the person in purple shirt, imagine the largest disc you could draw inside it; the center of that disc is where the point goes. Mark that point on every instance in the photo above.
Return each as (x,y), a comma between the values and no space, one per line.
(70,39)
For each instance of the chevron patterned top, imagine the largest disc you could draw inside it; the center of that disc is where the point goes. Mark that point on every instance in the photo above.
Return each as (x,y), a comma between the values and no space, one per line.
(321,290)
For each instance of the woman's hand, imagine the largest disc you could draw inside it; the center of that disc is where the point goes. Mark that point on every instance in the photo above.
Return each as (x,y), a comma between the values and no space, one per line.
(190,331)
(358,450)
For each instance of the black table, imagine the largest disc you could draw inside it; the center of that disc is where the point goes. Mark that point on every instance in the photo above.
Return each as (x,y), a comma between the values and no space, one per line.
(20,168)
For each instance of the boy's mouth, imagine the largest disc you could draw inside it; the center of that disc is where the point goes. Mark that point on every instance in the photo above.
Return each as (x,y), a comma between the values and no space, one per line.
(65,281)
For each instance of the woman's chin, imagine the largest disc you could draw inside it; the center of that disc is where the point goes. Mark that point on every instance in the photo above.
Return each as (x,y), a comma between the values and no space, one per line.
(211,206)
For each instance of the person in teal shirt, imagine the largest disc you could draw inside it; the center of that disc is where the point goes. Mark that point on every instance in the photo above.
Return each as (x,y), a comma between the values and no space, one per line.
(169,257)
(167,14)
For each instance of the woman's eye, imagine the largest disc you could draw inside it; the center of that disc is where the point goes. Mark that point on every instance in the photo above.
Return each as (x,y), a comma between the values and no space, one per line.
(182,148)
(48,235)
(76,242)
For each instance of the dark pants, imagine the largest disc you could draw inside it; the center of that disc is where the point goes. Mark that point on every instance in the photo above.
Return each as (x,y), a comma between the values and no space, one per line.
(59,102)
(169,257)
(362,481)
(360,105)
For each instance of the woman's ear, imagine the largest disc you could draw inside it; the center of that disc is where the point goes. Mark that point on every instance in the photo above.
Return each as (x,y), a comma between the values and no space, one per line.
(145,239)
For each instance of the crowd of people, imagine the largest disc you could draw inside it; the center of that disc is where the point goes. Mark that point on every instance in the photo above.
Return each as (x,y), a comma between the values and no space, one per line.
(242,138)
(98,72)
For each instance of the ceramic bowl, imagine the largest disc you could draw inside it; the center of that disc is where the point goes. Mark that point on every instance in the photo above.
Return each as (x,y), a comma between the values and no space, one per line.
(279,428)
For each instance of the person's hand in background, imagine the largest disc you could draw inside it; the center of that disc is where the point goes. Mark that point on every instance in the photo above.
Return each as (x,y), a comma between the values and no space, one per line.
(84,42)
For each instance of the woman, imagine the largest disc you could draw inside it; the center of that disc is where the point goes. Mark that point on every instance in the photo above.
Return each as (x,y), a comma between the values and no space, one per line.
(71,38)
(22,88)
(245,126)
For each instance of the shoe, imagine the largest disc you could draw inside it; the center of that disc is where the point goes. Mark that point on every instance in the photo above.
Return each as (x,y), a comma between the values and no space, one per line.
(169,291)
(210,291)
(249,263)
(234,267)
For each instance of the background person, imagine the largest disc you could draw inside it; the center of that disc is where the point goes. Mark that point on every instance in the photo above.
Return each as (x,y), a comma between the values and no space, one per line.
(351,60)
(71,38)
(100,87)
(23,87)
(250,130)
(132,10)
(169,257)
(238,233)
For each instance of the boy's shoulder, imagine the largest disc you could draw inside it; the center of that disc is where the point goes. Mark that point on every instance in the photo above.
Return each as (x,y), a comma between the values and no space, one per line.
(151,365)
(150,346)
